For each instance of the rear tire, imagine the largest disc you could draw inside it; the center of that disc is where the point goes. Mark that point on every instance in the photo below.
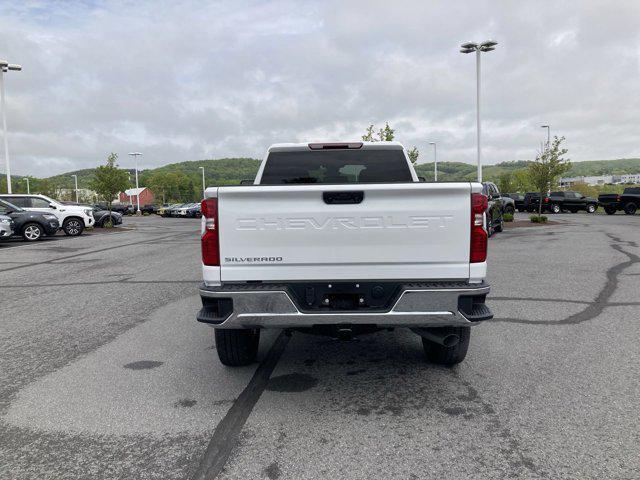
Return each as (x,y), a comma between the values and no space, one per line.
(32,232)
(73,227)
(442,355)
(630,208)
(555,208)
(610,210)
(237,347)
(498,228)
(509,210)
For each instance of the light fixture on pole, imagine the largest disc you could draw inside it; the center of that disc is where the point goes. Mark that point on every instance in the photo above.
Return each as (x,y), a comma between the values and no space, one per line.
(470,47)
(75,177)
(4,68)
(28,189)
(548,135)
(136,155)
(203,184)
(435,161)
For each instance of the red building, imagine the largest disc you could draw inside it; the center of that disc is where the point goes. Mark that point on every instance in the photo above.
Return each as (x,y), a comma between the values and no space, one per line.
(129,196)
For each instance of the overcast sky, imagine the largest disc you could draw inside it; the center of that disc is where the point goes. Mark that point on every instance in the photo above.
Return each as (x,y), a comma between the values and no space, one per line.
(190,80)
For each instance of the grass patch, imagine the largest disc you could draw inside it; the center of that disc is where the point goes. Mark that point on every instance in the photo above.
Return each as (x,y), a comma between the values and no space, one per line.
(507,217)
(538,218)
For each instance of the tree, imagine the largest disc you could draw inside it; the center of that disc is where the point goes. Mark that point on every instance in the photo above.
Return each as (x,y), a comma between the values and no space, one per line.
(548,166)
(521,181)
(413,155)
(506,183)
(109,180)
(387,134)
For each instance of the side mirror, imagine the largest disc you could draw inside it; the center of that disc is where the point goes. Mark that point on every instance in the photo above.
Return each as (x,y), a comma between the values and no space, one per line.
(422,179)
(246,182)
(51,205)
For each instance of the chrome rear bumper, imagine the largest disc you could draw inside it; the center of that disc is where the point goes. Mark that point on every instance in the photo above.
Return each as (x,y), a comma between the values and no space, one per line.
(272,306)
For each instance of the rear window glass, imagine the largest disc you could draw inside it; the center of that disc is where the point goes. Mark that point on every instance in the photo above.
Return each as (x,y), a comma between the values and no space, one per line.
(634,190)
(336,166)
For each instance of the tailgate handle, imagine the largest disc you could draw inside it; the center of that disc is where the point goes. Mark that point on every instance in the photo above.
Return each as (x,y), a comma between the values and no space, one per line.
(337,198)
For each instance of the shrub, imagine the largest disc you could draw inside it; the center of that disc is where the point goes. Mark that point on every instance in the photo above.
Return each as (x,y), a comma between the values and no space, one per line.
(538,219)
(507,217)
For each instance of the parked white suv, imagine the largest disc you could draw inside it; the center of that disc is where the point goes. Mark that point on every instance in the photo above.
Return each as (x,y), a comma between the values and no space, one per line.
(73,218)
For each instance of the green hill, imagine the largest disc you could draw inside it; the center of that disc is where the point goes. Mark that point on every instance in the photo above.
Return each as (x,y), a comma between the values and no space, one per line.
(186,176)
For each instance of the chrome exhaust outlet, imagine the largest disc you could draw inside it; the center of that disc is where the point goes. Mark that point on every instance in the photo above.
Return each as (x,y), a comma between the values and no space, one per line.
(446,340)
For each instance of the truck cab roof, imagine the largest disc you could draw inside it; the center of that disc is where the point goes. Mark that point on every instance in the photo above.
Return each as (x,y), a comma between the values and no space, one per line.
(335,145)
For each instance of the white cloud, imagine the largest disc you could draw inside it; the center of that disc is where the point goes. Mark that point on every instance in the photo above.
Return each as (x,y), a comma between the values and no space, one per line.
(191,80)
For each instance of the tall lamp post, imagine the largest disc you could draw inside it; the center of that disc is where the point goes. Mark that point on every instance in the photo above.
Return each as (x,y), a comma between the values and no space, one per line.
(203,184)
(28,189)
(435,161)
(4,68)
(548,135)
(136,155)
(75,177)
(470,47)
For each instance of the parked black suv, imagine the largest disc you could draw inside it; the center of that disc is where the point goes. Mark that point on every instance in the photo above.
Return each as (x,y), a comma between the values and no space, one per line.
(569,201)
(29,224)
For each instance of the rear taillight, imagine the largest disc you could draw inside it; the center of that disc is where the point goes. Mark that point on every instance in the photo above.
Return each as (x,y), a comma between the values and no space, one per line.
(546,199)
(617,198)
(210,239)
(478,250)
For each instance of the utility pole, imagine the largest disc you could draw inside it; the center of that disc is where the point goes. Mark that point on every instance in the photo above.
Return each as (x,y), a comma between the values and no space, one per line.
(470,47)
(4,68)
(435,161)
(136,155)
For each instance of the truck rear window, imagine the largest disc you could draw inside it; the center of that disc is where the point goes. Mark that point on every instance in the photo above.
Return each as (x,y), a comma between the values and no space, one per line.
(336,166)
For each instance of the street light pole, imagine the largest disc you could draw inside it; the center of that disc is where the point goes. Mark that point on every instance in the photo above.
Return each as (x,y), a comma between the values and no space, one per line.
(136,155)
(203,184)
(4,68)
(75,177)
(470,47)
(435,161)
(28,189)
(548,127)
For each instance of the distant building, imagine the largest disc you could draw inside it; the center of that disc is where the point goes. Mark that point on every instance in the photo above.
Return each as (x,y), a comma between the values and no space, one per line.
(129,196)
(85,195)
(630,178)
(601,180)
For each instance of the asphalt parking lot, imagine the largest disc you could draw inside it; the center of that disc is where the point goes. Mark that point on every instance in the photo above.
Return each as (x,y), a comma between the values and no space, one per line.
(104,372)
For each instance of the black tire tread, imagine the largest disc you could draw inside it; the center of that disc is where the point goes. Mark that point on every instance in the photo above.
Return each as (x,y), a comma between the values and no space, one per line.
(66,222)
(237,347)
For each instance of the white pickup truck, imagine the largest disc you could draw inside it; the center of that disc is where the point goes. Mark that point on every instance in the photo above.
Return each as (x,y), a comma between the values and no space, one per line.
(343,239)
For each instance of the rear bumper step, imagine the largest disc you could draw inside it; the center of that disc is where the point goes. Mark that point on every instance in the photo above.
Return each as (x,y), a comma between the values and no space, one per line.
(273,306)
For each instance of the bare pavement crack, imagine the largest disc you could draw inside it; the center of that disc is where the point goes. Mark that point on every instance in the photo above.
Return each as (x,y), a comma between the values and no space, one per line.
(595,308)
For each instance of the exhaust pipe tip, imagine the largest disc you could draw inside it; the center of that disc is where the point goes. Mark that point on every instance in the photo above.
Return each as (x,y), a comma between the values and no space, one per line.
(450,340)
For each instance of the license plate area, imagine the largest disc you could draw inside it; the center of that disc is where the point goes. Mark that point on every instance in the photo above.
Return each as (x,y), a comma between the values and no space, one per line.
(344,296)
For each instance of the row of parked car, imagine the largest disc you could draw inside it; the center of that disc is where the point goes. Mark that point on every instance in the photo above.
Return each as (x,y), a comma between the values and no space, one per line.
(184,210)
(33,217)
(570,201)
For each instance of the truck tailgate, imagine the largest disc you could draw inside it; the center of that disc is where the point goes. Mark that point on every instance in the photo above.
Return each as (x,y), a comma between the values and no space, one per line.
(290,232)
